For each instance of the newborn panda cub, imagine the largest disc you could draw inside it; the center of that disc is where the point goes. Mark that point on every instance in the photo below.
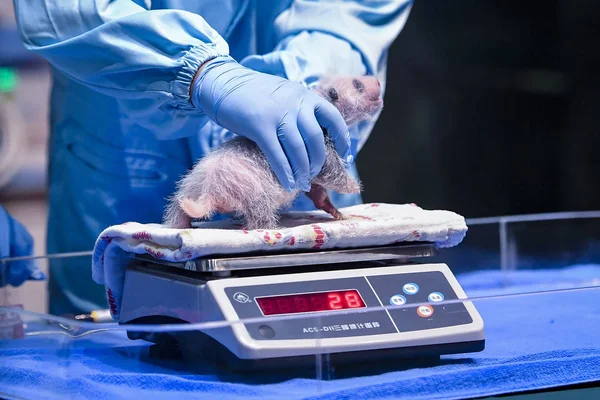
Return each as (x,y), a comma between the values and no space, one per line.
(237,178)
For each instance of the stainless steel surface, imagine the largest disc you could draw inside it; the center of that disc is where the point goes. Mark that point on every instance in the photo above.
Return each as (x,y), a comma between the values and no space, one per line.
(233,263)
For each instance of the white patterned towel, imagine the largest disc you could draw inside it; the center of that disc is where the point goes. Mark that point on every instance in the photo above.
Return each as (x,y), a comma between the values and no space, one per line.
(365,225)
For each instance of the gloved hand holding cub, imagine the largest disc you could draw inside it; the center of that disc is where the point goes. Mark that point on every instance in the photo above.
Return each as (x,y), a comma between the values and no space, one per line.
(282,117)
(15,241)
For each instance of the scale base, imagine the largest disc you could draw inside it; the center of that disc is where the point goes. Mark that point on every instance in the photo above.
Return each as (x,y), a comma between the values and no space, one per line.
(197,346)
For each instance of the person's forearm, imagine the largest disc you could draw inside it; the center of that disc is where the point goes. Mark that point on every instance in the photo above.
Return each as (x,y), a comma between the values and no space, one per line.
(144,59)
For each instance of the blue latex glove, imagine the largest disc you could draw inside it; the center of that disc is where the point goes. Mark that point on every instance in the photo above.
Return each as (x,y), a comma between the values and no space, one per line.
(15,241)
(284,118)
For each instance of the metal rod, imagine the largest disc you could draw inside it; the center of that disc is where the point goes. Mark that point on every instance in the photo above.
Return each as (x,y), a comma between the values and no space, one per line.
(534,217)
(56,255)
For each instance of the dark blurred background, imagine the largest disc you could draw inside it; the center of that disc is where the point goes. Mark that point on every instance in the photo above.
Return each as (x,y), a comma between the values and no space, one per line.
(492,108)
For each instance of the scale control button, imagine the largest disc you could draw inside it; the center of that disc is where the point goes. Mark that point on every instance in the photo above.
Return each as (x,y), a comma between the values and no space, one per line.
(410,288)
(266,331)
(397,300)
(425,311)
(435,297)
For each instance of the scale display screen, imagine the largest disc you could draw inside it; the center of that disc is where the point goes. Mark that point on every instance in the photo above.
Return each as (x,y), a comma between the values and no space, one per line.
(310,302)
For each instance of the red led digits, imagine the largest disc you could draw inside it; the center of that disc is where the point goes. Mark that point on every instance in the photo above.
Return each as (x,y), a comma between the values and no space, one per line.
(353,300)
(267,307)
(284,305)
(318,302)
(301,304)
(335,301)
(310,302)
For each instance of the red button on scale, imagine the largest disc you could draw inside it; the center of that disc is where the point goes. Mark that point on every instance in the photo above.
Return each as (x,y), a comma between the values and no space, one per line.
(425,311)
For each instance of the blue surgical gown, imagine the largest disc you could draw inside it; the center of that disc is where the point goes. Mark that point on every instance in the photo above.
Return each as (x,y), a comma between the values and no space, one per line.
(122,127)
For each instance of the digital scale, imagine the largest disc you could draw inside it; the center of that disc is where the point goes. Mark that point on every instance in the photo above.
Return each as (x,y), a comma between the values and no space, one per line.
(297,305)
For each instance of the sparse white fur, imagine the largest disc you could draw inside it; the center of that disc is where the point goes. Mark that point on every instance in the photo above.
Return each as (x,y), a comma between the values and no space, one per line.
(236,178)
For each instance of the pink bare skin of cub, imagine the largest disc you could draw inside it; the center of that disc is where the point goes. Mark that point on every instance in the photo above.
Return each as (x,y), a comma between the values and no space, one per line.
(236,178)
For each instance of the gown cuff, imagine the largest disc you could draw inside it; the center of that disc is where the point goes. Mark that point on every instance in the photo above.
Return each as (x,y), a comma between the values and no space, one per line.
(191,61)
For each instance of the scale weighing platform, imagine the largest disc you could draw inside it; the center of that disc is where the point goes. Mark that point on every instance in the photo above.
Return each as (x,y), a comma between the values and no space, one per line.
(297,305)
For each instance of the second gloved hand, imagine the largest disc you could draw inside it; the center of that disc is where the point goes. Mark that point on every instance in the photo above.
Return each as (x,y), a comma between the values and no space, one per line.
(282,117)
(15,241)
